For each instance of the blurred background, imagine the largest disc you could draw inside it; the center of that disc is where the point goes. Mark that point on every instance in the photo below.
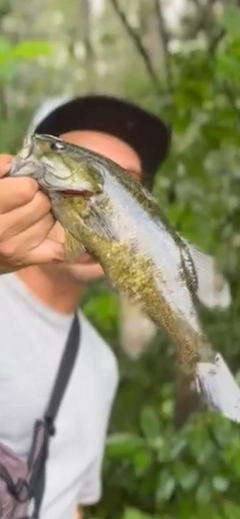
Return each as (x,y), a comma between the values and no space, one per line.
(180,59)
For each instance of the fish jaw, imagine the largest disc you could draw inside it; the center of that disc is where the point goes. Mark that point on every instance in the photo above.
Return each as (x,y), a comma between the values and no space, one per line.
(55,169)
(27,168)
(26,164)
(49,182)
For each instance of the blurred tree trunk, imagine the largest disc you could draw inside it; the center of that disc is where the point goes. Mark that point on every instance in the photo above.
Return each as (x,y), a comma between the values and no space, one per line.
(155,36)
(187,400)
(137,39)
(150,33)
(5,9)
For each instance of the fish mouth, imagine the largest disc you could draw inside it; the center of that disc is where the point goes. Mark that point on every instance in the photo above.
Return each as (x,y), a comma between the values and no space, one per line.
(75,192)
(25,167)
(23,158)
(83,193)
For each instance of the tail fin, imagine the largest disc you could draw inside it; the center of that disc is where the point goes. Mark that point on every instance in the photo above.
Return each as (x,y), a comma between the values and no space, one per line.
(217,384)
(136,329)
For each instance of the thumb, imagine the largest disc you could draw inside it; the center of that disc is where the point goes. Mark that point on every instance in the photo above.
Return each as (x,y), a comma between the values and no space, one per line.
(5,164)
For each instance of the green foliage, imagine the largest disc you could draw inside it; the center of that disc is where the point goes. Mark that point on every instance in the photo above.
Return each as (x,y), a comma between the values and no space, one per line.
(11,55)
(165,474)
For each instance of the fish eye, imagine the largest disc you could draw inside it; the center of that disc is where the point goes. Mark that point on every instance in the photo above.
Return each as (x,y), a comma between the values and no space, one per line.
(56,146)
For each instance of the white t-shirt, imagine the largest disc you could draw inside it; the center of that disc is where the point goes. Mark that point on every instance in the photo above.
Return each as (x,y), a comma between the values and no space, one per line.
(32,340)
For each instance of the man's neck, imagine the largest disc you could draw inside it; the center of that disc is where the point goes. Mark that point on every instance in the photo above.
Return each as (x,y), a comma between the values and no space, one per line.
(54,291)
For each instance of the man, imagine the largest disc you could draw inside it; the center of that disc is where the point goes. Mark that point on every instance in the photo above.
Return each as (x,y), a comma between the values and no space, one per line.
(37,303)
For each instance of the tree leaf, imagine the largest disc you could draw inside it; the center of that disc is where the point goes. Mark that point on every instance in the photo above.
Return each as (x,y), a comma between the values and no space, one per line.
(203,493)
(150,422)
(123,444)
(220,483)
(29,50)
(166,486)
(230,20)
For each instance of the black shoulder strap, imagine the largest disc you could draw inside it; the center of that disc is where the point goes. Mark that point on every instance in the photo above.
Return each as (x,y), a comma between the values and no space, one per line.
(65,369)
(63,375)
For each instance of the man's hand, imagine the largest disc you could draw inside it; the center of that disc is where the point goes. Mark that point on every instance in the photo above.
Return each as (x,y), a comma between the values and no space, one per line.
(79,512)
(25,223)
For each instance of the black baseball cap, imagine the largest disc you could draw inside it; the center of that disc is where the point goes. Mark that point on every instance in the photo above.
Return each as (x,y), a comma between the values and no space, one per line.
(146,133)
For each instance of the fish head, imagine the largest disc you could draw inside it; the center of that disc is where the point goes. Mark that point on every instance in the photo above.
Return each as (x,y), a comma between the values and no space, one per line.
(59,167)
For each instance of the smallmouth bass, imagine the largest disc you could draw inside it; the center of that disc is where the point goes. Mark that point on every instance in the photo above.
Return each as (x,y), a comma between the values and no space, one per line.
(105,212)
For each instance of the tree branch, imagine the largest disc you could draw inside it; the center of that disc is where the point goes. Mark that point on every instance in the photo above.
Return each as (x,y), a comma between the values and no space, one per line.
(164,40)
(87,40)
(215,40)
(203,20)
(3,103)
(138,45)
(231,99)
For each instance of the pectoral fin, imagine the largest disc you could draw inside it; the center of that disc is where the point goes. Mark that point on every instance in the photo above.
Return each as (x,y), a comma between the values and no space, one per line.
(103,226)
(73,248)
(212,289)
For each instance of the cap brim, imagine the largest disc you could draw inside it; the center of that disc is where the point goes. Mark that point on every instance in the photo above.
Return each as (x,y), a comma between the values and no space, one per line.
(144,132)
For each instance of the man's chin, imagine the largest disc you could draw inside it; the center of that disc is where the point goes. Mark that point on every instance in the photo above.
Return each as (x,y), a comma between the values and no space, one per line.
(86,272)
(86,259)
